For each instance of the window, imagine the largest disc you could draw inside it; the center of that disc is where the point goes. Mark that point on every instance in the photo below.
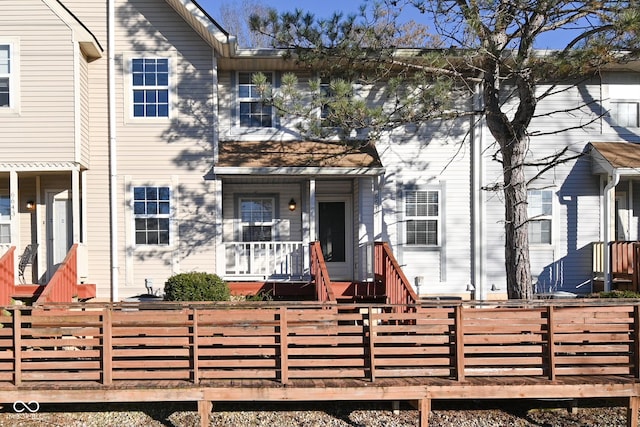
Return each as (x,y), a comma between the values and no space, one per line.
(5,219)
(325,94)
(422,217)
(151,211)
(5,76)
(624,114)
(150,85)
(540,209)
(256,216)
(253,112)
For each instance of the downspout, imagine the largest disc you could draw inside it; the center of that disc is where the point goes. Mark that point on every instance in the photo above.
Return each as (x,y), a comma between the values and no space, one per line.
(477,286)
(608,189)
(113,168)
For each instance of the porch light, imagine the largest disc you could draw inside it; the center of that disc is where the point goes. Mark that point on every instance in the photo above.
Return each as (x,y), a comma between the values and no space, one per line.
(31,205)
(292,205)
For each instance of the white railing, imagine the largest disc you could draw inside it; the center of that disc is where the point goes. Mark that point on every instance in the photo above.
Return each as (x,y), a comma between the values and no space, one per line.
(265,260)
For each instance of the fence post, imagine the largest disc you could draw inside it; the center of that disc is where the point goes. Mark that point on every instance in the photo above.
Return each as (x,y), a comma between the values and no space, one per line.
(194,347)
(372,334)
(284,346)
(551,342)
(107,347)
(459,342)
(17,346)
(635,353)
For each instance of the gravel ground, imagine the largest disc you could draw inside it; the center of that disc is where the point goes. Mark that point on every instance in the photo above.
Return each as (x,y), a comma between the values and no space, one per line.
(357,414)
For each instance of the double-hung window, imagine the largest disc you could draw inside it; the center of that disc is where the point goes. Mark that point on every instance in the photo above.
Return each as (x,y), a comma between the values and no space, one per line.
(540,210)
(152,215)
(624,114)
(422,217)
(253,112)
(256,216)
(5,219)
(150,86)
(6,71)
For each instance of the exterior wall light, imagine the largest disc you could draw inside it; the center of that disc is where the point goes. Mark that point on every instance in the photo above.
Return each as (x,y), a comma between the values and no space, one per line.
(292,205)
(31,205)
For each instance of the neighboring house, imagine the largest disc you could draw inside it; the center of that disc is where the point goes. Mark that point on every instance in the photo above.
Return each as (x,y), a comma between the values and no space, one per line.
(143,139)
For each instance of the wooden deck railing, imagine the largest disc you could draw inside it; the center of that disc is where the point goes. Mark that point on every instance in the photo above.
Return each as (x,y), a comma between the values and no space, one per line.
(98,344)
(320,275)
(7,276)
(387,269)
(625,264)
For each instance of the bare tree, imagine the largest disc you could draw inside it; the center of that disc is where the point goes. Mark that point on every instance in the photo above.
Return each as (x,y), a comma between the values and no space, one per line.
(235,19)
(492,45)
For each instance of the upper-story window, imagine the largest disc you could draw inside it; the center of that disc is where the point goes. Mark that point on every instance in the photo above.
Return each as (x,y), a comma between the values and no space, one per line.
(422,217)
(152,215)
(253,113)
(150,86)
(624,114)
(540,210)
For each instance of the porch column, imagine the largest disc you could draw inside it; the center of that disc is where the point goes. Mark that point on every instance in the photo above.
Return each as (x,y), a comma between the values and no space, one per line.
(75,204)
(13,201)
(312,210)
(609,225)
(217,218)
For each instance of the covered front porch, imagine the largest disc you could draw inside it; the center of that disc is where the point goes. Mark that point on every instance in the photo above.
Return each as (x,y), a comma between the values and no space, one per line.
(275,199)
(616,258)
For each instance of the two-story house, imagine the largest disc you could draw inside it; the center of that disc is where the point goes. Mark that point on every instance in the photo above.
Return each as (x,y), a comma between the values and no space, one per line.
(133,128)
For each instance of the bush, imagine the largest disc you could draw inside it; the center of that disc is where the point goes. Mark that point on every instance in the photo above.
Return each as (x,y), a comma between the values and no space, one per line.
(196,287)
(620,294)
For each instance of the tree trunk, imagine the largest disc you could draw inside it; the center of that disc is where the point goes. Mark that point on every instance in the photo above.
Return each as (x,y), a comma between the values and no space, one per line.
(517,261)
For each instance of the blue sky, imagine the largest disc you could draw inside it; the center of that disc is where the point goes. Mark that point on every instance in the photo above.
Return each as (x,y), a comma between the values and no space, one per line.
(325,8)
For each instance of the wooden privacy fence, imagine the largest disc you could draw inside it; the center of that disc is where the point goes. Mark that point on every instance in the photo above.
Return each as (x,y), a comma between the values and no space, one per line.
(106,345)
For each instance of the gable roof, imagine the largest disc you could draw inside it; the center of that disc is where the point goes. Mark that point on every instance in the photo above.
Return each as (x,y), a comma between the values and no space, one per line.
(623,157)
(88,42)
(303,157)
(205,26)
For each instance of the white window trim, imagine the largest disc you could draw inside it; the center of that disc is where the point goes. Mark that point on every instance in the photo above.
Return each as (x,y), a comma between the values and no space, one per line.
(236,89)
(170,216)
(128,86)
(14,76)
(550,217)
(437,218)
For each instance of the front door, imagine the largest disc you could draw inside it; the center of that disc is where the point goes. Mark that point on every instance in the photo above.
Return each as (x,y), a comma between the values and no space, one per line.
(622,216)
(335,236)
(59,237)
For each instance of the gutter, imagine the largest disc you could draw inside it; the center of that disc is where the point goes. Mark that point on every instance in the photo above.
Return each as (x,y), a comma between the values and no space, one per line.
(113,167)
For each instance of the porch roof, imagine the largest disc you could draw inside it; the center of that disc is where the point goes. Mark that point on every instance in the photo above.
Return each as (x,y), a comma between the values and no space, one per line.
(622,157)
(311,157)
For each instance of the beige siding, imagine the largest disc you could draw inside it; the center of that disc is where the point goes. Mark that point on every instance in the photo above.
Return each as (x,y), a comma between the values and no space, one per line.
(44,128)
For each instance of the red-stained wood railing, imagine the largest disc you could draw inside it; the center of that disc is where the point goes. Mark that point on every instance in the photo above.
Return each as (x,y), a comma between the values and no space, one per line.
(113,344)
(63,286)
(624,261)
(324,292)
(387,269)
(7,276)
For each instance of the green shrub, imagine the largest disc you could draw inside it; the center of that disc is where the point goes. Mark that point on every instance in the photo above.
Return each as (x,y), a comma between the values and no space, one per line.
(620,294)
(196,287)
